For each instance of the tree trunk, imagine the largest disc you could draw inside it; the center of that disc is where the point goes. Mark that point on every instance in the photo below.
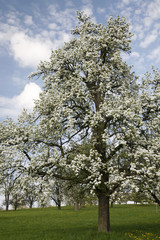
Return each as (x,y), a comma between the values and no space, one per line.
(7,205)
(76,206)
(30,205)
(103,213)
(156,199)
(59,204)
(112,204)
(7,201)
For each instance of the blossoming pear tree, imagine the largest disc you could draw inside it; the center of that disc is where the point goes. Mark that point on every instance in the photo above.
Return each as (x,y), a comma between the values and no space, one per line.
(92,124)
(147,171)
(90,93)
(10,162)
(15,154)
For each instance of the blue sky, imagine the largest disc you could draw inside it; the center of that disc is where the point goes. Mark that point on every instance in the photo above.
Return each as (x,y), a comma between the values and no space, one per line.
(29,29)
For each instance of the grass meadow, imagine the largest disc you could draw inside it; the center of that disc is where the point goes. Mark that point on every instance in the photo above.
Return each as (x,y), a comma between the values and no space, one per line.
(136,222)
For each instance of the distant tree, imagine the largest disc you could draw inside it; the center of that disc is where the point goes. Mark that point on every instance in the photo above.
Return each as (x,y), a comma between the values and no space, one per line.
(7,185)
(55,189)
(14,157)
(147,166)
(8,174)
(76,194)
(43,198)
(17,200)
(138,196)
(29,189)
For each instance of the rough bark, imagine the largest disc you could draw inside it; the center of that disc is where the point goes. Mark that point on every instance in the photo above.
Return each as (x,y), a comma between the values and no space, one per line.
(7,205)
(7,201)
(59,204)
(156,199)
(76,206)
(30,205)
(103,213)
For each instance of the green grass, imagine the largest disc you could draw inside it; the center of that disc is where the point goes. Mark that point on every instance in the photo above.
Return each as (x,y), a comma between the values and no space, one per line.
(127,222)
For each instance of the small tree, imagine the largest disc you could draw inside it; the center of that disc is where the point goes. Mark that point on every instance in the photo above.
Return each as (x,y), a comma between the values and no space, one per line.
(8,173)
(55,188)
(29,189)
(17,200)
(77,194)
(7,185)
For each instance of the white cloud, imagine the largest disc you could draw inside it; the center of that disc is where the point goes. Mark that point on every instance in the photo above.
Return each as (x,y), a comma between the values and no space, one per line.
(149,39)
(53,26)
(123,3)
(101,10)
(12,17)
(69,3)
(155,54)
(135,54)
(87,8)
(65,19)
(6,32)
(127,12)
(152,12)
(33,43)
(138,11)
(138,29)
(30,92)
(126,2)
(86,2)
(147,21)
(28,20)
(126,56)
(153,9)
(12,107)
(29,51)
